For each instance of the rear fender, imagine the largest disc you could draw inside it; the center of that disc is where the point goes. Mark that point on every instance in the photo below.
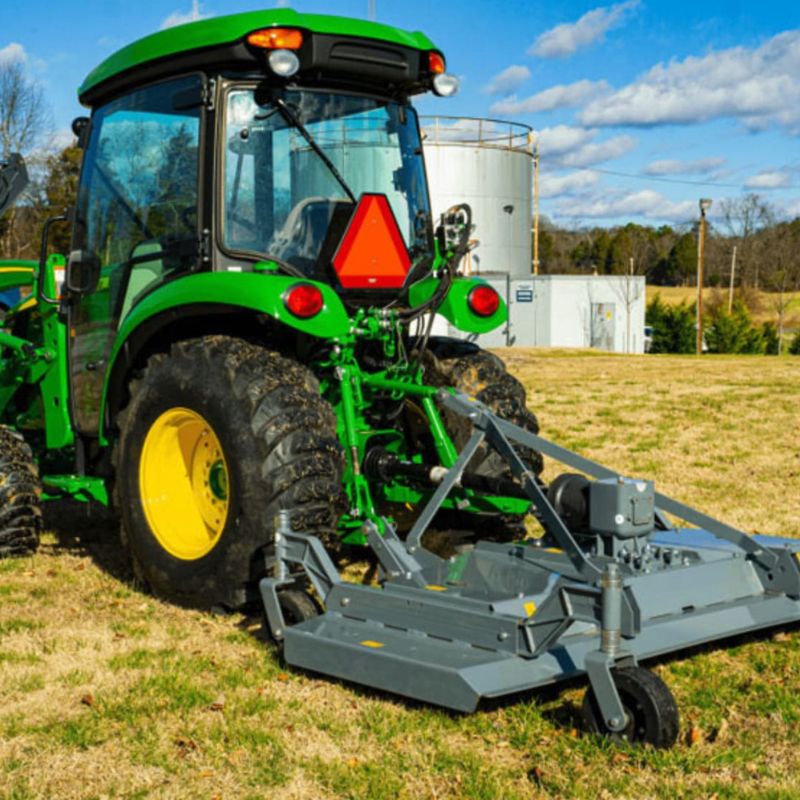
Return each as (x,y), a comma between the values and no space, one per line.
(211,293)
(455,308)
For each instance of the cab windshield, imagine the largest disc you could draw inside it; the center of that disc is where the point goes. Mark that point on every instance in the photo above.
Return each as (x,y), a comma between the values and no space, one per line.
(285,199)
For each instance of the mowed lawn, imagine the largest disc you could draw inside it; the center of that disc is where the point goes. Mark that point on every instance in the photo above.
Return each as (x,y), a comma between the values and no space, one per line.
(106,692)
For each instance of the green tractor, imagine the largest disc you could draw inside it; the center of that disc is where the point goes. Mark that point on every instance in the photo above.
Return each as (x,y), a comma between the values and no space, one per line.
(243,324)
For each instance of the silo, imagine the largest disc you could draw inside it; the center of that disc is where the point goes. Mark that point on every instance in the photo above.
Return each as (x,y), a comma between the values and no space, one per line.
(488,164)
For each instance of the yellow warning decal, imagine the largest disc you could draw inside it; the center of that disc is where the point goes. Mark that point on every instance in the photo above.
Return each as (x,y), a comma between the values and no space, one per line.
(370,643)
(530,608)
(553,550)
(434,588)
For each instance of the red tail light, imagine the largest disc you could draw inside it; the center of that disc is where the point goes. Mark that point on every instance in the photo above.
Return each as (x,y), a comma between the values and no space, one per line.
(436,63)
(303,300)
(483,301)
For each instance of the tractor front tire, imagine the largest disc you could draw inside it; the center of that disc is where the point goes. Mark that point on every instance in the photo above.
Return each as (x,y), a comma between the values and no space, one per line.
(480,374)
(20,496)
(219,435)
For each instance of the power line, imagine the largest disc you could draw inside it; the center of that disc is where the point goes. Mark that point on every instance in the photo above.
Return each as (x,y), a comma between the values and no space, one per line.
(643,177)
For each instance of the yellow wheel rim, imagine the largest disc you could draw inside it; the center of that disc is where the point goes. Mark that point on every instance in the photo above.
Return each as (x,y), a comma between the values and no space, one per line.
(183,481)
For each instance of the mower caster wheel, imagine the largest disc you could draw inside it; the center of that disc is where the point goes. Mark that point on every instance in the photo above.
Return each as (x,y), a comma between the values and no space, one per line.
(650,708)
(297,606)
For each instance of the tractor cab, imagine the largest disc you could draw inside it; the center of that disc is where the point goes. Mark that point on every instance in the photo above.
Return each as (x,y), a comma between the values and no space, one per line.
(270,142)
(251,139)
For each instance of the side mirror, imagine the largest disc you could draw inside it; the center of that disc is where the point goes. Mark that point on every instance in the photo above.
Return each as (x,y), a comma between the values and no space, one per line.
(81,127)
(83,272)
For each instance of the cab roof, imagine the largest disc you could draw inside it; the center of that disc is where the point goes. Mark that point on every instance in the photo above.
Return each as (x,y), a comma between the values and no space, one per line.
(217,32)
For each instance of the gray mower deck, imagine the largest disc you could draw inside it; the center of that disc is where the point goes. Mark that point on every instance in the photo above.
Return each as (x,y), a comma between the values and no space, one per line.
(451,645)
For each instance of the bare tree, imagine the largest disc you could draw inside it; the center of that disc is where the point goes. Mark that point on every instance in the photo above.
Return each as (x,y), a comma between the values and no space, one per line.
(744,217)
(24,116)
(629,289)
(783,245)
(25,125)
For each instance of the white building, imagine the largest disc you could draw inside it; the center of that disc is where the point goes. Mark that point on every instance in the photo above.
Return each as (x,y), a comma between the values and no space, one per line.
(488,164)
(605,312)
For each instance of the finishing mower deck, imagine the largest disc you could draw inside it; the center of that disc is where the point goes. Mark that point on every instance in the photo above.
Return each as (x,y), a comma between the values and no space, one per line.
(618,584)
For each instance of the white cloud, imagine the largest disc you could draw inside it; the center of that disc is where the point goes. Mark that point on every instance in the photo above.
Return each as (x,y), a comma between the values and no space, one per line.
(597,152)
(566,146)
(569,94)
(61,139)
(758,86)
(562,138)
(564,40)
(182,17)
(793,209)
(669,166)
(767,179)
(282,4)
(570,184)
(13,53)
(645,203)
(508,80)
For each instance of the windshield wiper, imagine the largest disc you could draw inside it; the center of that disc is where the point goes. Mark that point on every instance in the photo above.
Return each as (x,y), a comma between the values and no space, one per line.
(293,119)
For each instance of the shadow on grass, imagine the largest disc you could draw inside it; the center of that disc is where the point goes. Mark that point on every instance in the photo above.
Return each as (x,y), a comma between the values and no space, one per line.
(88,529)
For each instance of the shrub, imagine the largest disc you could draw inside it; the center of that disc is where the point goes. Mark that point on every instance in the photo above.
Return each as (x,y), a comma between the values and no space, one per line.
(673,327)
(734,332)
(794,347)
(769,335)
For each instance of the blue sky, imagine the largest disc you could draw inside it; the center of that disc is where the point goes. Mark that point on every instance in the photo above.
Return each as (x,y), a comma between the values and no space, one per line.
(685,99)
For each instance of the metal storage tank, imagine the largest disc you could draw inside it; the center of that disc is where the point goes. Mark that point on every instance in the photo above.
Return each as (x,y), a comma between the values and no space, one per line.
(488,164)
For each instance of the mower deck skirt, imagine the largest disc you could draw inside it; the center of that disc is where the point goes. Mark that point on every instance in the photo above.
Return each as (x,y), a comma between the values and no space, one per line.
(451,645)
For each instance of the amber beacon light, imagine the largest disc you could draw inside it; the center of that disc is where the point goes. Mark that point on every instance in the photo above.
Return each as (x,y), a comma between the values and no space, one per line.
(276,39)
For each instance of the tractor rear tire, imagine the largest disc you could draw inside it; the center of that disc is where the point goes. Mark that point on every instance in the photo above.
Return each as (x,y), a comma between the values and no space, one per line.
(250,435)
(20,496)
(480,374)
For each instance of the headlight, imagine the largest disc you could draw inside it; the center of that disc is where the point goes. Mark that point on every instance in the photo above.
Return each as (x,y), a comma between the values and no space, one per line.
(445,85)
(284,63)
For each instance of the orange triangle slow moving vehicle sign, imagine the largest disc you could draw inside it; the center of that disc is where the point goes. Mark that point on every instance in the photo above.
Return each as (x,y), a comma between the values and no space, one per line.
(372,254)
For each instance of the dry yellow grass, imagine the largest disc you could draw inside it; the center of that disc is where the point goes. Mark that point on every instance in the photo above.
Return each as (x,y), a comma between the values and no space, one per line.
(106,692)
(765,310)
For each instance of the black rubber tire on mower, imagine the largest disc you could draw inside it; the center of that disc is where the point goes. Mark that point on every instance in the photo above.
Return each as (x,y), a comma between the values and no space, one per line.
(480,374)
(278,437)
(20,496)
(650,707)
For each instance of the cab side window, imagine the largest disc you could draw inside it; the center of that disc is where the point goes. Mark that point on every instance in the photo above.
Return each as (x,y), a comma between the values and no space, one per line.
(137,204)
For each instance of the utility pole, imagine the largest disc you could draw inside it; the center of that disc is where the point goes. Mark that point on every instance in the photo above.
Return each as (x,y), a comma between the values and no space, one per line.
(705,204)
(371,11)
(733,272)
(628,304)
(536,208)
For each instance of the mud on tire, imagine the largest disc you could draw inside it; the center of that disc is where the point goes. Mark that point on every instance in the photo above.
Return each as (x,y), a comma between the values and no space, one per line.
(20,493)
(279,441)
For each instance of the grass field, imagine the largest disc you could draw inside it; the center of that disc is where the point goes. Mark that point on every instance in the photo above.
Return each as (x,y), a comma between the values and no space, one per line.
(764,303)
(106,692)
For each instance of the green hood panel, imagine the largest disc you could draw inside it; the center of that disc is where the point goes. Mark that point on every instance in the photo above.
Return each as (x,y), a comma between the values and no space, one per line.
(233,28)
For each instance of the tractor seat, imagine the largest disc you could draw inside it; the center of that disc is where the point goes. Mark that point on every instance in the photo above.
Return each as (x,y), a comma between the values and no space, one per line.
(143,274)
